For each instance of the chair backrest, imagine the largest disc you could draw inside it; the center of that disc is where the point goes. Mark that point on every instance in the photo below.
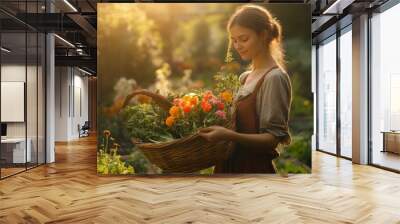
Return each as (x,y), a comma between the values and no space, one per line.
(86,125)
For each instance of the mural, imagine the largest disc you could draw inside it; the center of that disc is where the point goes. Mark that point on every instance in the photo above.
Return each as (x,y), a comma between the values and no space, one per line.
(204,88)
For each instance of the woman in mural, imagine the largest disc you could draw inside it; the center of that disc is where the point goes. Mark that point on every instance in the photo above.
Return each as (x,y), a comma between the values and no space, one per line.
(262,105)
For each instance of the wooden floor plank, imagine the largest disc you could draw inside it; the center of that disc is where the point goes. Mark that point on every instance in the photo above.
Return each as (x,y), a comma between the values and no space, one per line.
(70,191)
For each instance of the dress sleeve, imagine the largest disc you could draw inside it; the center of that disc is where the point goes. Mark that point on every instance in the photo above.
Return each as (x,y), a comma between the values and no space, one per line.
(275,98)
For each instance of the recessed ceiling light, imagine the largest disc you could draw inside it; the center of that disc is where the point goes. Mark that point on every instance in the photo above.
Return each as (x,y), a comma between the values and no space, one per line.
(5,50)
(64,40)
(84,71)
(70,5)
(337,7)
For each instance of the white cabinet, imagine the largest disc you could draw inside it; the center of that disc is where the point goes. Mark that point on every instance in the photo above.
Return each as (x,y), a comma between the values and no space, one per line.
(17,146)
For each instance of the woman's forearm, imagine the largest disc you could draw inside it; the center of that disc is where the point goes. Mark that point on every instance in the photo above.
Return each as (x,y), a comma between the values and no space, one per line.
(259,142)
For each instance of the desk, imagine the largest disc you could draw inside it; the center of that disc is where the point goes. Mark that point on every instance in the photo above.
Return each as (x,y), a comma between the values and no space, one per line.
(391,141)
(13,150)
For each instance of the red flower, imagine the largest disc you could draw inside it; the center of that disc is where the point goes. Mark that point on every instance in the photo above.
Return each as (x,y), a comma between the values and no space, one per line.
(220,106)
(206,106)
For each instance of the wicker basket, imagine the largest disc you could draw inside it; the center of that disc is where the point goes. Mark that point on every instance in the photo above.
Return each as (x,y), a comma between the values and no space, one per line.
(184,155)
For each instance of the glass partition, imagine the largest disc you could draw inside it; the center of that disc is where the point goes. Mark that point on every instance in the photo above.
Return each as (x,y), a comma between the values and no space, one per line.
(22,90)
(14,151)
(327,95)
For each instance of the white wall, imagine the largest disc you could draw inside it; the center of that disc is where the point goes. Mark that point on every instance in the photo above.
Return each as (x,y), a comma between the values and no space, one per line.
(61,103)
(71,93)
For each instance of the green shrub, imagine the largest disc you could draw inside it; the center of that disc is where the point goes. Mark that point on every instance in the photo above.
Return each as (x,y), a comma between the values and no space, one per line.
(108,160)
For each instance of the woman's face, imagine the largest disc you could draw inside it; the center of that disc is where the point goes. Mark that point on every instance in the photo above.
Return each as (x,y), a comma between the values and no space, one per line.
(246,42)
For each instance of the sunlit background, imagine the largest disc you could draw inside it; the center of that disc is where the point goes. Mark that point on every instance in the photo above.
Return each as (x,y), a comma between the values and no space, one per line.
(169,48)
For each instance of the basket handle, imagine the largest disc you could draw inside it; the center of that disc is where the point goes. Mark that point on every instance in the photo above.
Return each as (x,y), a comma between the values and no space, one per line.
(157,98)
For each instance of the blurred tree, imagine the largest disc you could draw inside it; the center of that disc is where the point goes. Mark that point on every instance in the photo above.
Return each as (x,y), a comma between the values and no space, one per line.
(128,45)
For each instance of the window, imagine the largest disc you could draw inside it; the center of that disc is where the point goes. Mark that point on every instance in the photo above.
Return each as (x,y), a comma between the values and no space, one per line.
(385,85)
(327,95)
(346,92)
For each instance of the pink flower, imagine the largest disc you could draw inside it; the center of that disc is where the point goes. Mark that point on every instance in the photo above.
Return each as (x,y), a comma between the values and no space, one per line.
(214,101)
(177,101)
(221,114)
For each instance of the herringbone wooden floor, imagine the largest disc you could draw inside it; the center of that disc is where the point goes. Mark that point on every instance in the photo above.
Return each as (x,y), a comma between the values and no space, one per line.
(69,191)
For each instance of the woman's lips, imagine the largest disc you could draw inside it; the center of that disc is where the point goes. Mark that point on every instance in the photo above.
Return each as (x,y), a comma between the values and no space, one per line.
(243,52)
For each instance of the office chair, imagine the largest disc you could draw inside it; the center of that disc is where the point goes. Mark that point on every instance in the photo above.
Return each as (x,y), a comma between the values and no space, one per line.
(84,130)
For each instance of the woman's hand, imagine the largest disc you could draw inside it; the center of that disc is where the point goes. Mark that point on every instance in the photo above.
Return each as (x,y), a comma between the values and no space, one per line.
(258,143)
(216,133)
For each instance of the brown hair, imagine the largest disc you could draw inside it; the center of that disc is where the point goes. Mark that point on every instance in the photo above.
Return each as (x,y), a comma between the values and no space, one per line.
(259,19)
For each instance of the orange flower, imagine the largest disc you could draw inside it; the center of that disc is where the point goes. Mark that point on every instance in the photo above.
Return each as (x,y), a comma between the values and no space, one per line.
(226,96)
(206,106)
(174,111)
(187,107)
(194,100)
(170,121)
(107,133)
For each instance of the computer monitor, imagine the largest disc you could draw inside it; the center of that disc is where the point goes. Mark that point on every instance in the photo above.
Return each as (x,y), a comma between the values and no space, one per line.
(3,129)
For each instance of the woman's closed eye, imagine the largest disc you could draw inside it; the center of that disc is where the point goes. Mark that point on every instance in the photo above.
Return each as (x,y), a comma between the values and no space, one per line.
(240,39)
(244,39)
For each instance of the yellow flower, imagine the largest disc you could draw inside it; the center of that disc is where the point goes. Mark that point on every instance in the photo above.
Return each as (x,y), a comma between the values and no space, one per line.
(226,96)
(170,121)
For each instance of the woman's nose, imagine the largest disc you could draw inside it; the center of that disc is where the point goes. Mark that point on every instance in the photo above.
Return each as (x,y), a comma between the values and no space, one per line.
(237,46)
